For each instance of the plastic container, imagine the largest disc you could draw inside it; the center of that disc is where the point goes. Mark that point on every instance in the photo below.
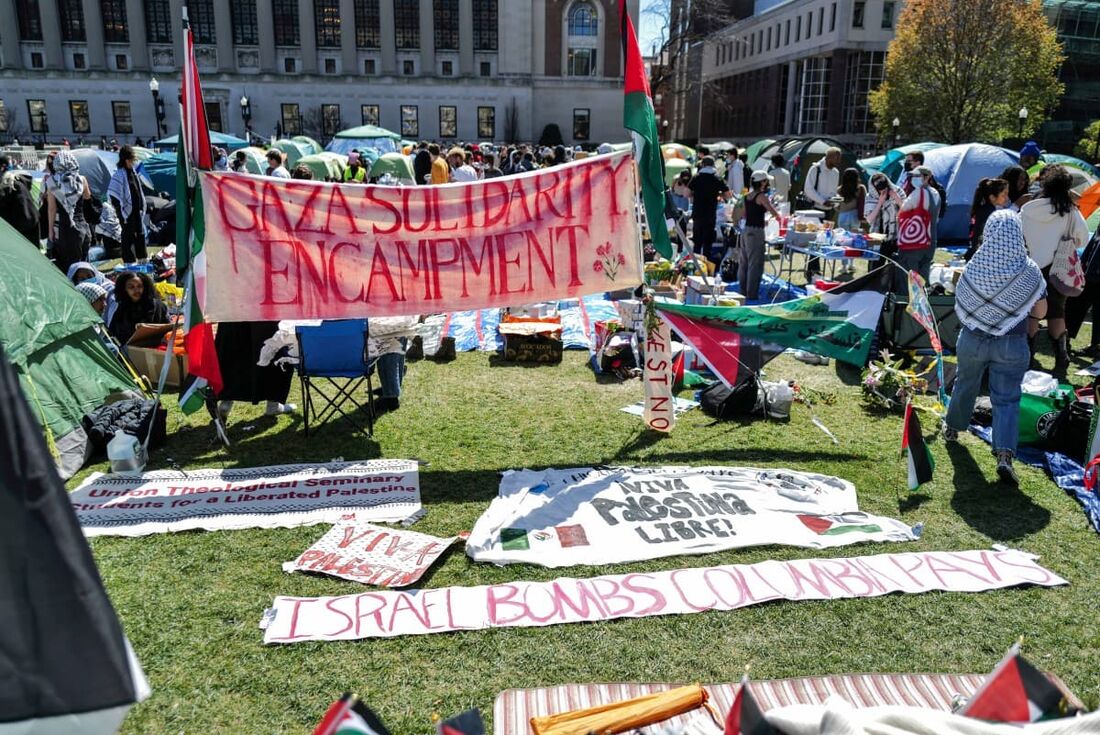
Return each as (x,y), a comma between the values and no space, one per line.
(126,453)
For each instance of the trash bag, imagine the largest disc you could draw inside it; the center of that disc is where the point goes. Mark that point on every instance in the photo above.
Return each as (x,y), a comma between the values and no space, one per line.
(1068,433)
(725,403)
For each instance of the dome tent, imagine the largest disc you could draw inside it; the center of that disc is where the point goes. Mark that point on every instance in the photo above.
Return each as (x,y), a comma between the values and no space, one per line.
(958,169)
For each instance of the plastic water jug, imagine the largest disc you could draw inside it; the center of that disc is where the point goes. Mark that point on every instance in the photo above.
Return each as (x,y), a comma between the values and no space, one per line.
(126,453)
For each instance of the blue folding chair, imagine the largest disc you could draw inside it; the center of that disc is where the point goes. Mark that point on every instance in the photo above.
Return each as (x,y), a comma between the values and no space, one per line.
(333,365)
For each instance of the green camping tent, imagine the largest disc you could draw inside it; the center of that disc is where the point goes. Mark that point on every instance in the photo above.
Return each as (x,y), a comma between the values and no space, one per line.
(309,143)
(325,165)
(293,150)
(397,165)
(50,334)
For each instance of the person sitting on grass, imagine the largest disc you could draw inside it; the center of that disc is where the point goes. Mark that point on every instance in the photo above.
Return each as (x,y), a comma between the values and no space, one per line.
(138,303)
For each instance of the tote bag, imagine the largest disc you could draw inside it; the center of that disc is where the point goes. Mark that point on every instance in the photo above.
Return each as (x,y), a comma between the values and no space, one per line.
(915,227)
(1066,274)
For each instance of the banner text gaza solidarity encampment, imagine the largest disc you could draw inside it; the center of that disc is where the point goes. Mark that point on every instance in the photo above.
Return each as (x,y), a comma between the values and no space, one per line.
(280,249)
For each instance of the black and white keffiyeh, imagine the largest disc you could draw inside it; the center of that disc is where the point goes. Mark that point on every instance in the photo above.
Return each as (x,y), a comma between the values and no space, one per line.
(1001,283)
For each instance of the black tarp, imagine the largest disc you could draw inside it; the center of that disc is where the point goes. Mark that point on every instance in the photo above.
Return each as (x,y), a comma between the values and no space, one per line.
(62,649)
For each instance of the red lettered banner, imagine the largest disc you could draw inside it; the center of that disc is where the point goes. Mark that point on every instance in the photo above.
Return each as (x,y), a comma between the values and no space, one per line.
(657,376)
(678,592)
(285,249)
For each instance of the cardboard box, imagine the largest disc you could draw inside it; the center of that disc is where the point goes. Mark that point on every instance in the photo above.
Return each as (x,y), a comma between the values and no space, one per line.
(148,361)
(703,292)
(527,339)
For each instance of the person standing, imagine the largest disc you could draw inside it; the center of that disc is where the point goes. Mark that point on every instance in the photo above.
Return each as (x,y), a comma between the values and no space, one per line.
(917,226)
(706,189)
(16,205)
(850,210)
(240,163)
(883,219)
(128,200)
(1078,307)
(991,195)
(422,167)
(680,194)
(822,182)
(781,177)
(460,170)
(275,165)
(441,172)
(750,264)
(356,172)
(1050,223)
(998,290)
(735,173)
(65,196)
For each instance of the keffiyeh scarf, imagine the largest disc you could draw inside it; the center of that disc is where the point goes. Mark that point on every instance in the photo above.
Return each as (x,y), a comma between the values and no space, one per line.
(1001,283)
(68,183)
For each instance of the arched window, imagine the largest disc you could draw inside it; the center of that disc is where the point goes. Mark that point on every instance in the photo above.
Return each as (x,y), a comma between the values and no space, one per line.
(583,20)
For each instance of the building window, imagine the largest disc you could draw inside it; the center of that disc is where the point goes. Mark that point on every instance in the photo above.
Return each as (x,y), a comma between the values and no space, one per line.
(246,30)
(408,67)
(124,123)
(78,114)
(200,14)
(486,123)
(787,33)
(115,29)
(866,70)
(214,116)
(832,19)
(858,10)
(371,115)
(583,20)
(581,124)
(79,61)
(368,66)
(3,118)
(820,20)
(410,121)
(486,69)
(485,25)
(36,111)
(290,65)
(814,101)
(30,22)
(71,14)
(769,47)
(446,68)
(326,21)
(581,62)
(36,60)
(368,24)
(330,120)
(888,15)
(122,62)
(445,13)
(798,29)
(448,121)
(285,14)
(330,66)
(158,21)
(291,117)
(406,23)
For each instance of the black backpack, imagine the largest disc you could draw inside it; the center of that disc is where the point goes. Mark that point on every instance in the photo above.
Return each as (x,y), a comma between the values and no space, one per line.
(724,403)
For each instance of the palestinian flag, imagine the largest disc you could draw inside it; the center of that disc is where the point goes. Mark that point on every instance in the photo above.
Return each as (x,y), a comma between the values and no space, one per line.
(840,323)
(467,723)
(349,716)
(641,121)
(193,153)
(745,716)
(921,463)
(1017,692)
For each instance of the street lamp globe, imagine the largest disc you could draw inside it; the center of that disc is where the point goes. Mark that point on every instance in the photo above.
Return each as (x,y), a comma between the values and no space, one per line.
(1023,113)
(897,123)
(244,102)
(154,85)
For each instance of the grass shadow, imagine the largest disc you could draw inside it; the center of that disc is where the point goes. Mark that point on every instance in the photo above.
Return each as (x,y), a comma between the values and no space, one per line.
(913,502)
(848,374)
(996,509)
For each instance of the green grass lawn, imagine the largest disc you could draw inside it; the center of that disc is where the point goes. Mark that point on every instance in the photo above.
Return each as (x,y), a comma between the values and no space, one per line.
(191,602)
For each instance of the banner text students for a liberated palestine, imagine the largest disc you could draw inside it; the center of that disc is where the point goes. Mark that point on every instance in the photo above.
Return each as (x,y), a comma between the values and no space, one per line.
(283,249)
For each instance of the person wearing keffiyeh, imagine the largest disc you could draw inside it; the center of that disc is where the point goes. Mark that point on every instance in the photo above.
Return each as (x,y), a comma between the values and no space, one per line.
(999,291)
(68,232)
(128,200)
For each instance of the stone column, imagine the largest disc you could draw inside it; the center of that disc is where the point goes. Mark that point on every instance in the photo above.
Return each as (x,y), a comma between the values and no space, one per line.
(223,28)
(387,29)
(93,29)
(790,125)
(427,38)
(135,18)
(265,21)
(349,55)
(10,40)
(538,31)
(466,37)
(175,8)
(307,35)
(51,35)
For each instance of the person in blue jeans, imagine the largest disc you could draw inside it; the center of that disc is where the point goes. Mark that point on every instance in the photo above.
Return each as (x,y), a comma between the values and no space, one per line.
(999,291)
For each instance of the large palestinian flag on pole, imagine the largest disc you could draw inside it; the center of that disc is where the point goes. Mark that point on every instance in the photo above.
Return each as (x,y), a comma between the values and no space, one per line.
(640,119)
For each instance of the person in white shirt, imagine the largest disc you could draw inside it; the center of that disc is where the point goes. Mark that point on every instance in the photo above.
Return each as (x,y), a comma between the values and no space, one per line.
(275,165)
(460,170)
(735,173)
(822,182)
(781,177)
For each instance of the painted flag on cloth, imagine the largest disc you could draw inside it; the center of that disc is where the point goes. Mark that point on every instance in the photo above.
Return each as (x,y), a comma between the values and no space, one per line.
(467,723)
(1017,692)
(745,716)
(349,716)
(640,119)
(193,152)
(919,455)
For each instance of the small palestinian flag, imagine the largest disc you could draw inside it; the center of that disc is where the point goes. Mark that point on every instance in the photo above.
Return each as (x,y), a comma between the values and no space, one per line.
(467,723)
(921,463)
(349,716)
(1016,692)
(745,716)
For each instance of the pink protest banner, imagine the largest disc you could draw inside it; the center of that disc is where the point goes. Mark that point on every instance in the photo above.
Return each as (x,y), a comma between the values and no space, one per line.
(286,249)
(363,552)
(678,592)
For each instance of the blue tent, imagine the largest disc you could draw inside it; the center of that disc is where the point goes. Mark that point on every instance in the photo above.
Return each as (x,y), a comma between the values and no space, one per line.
(161,172)
(893,163)
(365,138)
(958,169)
(229,142)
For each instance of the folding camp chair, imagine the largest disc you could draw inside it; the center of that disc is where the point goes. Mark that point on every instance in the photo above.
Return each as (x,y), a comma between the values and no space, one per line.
(332,365)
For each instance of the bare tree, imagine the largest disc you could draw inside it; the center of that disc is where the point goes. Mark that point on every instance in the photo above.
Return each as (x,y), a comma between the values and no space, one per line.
(316,126)
(511,122)
(680,24)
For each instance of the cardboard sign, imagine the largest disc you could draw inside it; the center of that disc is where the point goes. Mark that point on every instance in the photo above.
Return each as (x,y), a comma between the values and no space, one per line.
(558,518)
(285,249)
(637,595)
(658,413)
(363,552)
(281,496)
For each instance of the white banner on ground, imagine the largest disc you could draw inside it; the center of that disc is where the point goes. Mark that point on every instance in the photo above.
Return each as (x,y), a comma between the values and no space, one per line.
(683,591)
(280,496)
(558,518)
(363,552)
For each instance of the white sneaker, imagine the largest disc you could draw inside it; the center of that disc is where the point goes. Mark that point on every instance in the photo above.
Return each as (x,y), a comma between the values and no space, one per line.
(274,408)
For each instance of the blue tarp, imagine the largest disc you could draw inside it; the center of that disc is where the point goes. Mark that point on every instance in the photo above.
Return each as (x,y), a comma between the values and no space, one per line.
(478,330)
(160,169)
(958,169)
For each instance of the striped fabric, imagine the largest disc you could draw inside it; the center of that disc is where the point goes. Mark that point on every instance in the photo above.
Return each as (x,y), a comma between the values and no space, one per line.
(514,708)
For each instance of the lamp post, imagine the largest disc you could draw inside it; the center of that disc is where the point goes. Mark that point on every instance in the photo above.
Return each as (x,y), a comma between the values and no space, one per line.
(664,130)
(158,105)
(1022,116)
(246,115)
(896,124)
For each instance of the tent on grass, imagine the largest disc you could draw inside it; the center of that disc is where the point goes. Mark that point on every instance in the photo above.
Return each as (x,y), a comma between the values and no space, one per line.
(308,142)
(50,335)
(1089,201)
(364,137)
(293,150)
(160,169)
(873,164)
(894,161)
(958,169)
(97,167)
(676,150)
(1072,162)
(222,140)
(325,165)
(753,151)
(673,167)
(397,165)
